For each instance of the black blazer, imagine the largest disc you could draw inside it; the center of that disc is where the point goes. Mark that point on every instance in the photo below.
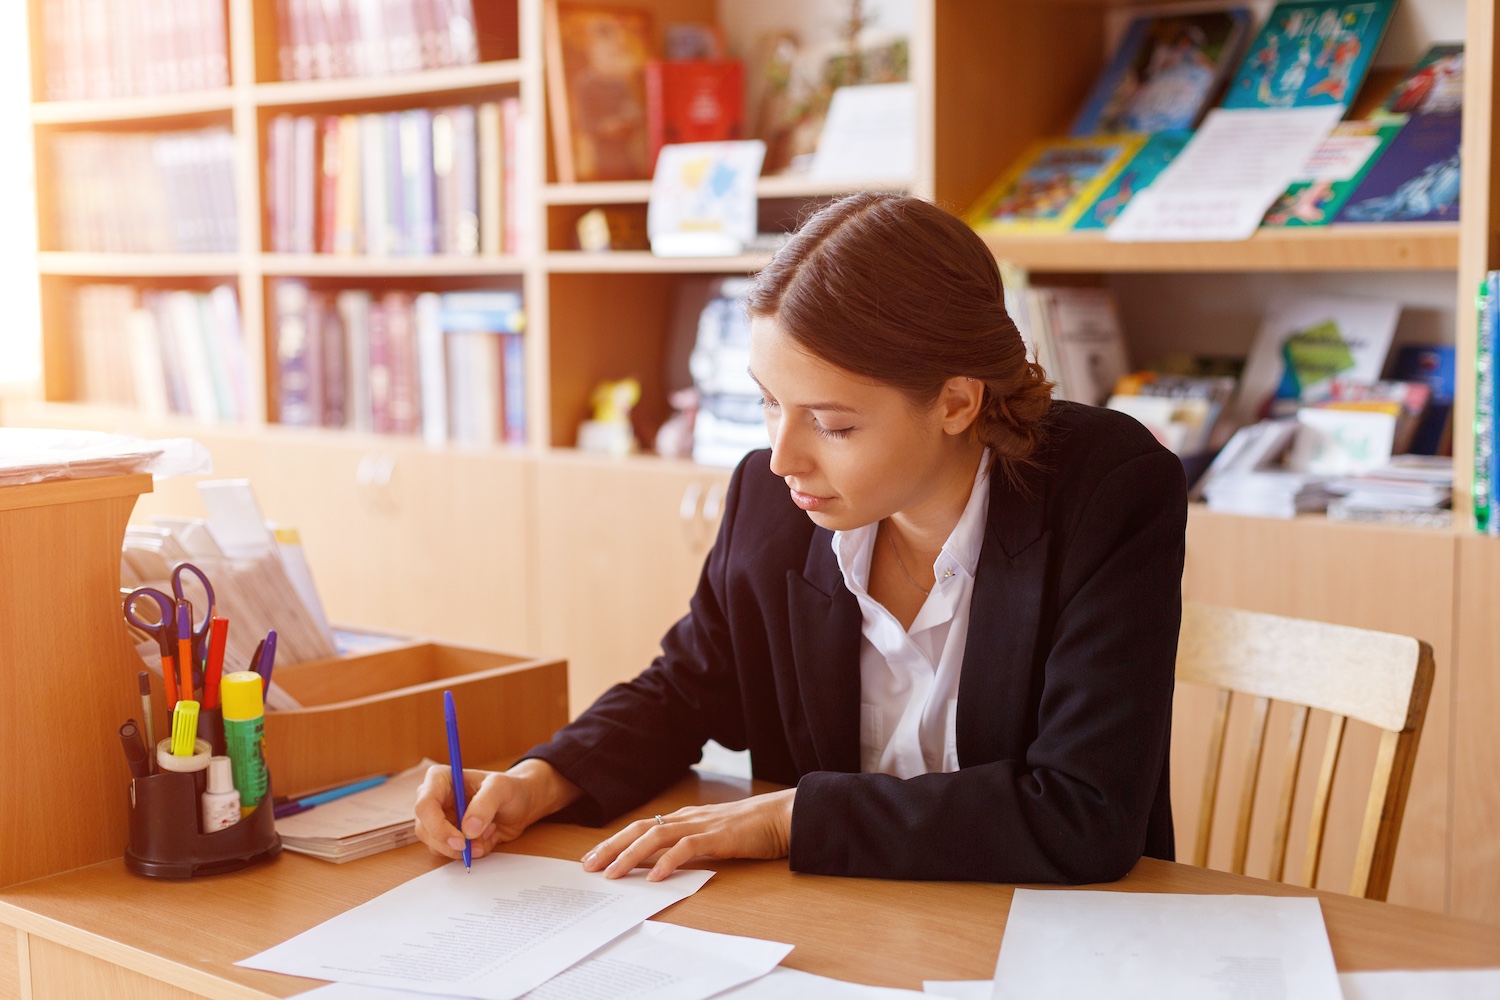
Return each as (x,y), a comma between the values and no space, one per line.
(1065,696)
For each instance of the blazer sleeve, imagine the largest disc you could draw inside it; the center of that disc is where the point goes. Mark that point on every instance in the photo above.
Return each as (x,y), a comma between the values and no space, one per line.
(1076,807)
(641,736)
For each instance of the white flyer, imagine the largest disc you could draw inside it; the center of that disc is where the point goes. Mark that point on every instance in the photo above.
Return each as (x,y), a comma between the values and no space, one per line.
(1234,168)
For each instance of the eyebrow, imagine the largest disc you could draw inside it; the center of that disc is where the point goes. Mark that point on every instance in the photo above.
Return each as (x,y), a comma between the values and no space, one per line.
(829,407)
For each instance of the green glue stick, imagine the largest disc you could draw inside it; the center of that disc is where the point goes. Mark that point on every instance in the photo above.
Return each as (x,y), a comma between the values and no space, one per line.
(241,697)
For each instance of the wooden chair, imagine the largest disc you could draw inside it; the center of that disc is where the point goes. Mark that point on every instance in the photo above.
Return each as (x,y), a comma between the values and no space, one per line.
(1376,677)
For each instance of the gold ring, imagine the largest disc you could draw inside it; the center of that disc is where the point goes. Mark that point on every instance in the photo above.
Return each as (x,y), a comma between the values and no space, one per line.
(660,821)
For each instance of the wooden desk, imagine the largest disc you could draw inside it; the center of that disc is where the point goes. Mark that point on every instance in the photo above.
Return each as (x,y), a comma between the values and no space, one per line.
(100,931)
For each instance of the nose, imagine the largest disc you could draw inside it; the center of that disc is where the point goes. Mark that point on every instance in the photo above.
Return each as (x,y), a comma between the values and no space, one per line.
(788,457)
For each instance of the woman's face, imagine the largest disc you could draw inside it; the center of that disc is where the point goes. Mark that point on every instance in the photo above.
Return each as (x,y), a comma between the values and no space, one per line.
(852,451)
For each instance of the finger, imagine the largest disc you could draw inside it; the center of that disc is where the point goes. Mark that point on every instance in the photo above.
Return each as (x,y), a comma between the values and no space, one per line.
(495,791)
(677,855)
(654,839)
(607,850)
(433,806)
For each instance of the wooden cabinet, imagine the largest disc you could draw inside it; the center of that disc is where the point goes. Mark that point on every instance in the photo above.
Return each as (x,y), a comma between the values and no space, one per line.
(619,548)
(1476,735)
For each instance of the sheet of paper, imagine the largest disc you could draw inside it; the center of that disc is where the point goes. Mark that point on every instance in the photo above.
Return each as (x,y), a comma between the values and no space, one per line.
(384,805)
(655,961)
(1425,984)
(1161,946)
(959,989)
(1229,173)
(790,984)
(494,933)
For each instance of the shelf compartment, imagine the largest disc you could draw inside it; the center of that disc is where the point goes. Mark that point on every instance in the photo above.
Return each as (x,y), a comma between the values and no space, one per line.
(120,109)
(645,262)
(1396,247)
(139,265)
(782,186)
(367,88)
(353,266)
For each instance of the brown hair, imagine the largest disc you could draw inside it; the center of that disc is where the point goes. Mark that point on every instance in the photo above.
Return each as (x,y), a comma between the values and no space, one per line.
(896,290)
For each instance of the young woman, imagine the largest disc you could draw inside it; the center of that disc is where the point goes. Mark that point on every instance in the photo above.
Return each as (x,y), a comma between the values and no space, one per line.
(942,607)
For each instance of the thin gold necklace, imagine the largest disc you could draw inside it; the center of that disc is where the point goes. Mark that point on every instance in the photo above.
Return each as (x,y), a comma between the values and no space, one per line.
(926,591)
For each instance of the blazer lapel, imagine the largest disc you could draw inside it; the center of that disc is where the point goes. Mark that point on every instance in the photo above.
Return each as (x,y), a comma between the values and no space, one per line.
(1005,616)
(825,630)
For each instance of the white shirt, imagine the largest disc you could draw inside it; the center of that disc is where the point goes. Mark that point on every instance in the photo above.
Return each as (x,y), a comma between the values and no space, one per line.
(909,679)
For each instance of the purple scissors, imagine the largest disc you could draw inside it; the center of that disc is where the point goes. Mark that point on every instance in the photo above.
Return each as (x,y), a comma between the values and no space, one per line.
(163,629)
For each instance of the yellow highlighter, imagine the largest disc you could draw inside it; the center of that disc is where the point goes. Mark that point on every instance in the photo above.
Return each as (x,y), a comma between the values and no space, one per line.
(184,728)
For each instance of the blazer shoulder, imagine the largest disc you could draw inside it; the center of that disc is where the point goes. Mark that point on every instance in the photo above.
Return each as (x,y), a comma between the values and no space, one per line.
(1086,444)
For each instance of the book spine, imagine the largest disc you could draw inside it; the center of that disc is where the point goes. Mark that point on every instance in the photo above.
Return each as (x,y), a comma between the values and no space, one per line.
(213,352)
(491,173)
(466,180)
(511,210)
(514,369)
(347,236)
(226,304)
(402,348)
(280,169)
(304,183)
(398,238)
(416,170)
(354,311)
(335,366)
(1484,409)
(293,367)
(216,42)
(1492,324)
(328,184)
(432,368)
(380,369)
(442,171)
(373,182)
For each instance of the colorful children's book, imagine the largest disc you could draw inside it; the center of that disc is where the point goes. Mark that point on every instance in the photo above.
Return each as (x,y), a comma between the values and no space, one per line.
(1434,365)
(1435,85)
(1333,173)
(1053,182)
(1309,53)
(1133,178)
(1417,179)
(1165,73)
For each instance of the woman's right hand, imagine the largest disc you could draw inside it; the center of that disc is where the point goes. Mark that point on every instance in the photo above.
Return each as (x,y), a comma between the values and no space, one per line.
(501,805)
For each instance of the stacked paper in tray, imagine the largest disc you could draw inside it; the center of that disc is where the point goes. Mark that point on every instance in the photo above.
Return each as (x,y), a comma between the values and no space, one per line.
(368,822)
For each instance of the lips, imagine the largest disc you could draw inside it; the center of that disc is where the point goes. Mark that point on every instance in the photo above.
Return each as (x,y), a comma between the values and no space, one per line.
(808,501)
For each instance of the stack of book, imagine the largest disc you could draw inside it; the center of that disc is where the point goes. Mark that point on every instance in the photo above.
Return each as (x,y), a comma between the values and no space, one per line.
(1487,408)
(729,422)
(450,366)
(417,182)
(96,49)
(1268,493)
(323,39)
(145,192)
(1410,489)
(162,351)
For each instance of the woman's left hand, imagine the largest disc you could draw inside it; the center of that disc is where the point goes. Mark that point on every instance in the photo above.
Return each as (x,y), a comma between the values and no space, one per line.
(757,827)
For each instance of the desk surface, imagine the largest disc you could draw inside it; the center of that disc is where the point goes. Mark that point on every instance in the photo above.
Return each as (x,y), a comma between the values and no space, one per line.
(865,930)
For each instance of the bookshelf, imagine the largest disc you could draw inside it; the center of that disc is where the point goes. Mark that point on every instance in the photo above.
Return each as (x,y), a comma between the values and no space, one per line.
(991,76)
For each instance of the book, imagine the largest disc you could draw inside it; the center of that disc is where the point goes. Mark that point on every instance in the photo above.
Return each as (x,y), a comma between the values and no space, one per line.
(1417,179)
(1137,175)
(1305,341)
(1435,365)
(104,49)
(1435,85)
(1086,340)
(1310,53)
(596,77)
(1343,160)
(324,39)
(1485,409)
(1052,184)
(1165,72)
(694,100)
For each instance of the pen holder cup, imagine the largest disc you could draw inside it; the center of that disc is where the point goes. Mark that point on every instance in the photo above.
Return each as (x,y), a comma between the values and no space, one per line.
(166,840)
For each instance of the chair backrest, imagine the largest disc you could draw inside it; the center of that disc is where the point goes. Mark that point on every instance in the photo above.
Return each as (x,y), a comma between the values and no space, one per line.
(1375,677)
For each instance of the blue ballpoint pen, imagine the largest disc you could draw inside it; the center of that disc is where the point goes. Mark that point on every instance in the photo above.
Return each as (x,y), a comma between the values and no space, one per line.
(456,765)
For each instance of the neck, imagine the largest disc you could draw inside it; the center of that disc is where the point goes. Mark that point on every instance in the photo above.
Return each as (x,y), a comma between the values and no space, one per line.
(922,530)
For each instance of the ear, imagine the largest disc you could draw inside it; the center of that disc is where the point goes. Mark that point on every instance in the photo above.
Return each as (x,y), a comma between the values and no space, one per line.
(959,404)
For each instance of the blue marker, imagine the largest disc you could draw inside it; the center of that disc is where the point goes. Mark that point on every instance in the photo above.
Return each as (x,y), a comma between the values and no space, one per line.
(456,765)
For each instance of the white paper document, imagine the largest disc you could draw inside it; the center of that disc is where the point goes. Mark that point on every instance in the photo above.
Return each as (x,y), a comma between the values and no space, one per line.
(1162,946)
(494,933)
(1232,170)
(870,134)
(959,989)
(655,961)
(790,984)
(1424,984)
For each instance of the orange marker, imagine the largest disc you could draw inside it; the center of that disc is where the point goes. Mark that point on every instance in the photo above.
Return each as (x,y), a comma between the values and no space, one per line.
(184,650)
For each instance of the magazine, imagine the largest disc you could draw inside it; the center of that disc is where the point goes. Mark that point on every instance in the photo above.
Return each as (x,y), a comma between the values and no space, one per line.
(1435,85)
(1333,174)
(1417,179)
(1134,177)
(1053,182)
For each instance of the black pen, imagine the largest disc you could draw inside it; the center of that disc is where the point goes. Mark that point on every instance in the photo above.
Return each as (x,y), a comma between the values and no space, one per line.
(135,750)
